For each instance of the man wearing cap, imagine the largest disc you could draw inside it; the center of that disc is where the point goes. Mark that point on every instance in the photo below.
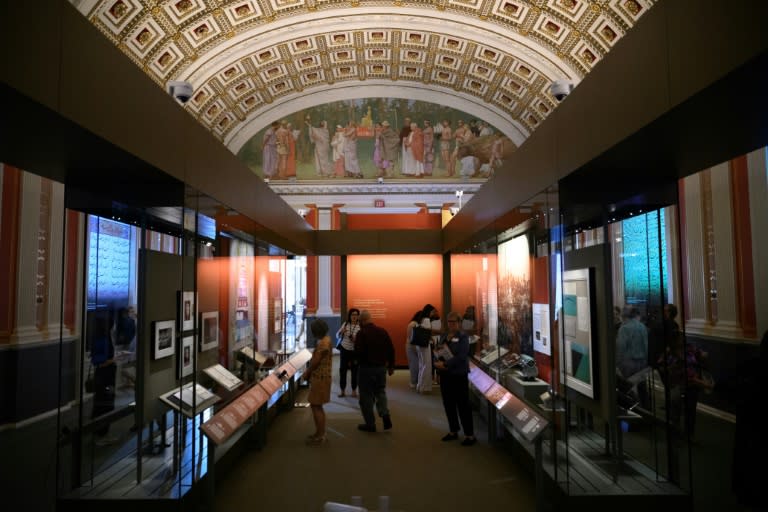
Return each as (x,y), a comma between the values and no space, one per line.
(390,148)
(376,358)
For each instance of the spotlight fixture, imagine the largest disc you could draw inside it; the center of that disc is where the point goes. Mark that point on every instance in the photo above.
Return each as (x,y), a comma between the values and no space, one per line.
(380,180)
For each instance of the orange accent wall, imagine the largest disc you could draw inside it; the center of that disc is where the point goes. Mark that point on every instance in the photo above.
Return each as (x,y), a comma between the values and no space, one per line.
(392,288)
(742,230)
(312,299)
(394,221)
(223,291)
(9,240)
(467,284)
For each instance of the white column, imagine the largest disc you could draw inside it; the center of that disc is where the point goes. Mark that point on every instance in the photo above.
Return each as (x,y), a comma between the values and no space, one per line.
(55,260)
(694,240)
(324,269)
(26,259)
(728,322)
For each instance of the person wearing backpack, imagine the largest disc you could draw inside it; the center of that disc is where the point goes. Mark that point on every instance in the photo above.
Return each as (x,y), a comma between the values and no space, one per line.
(421,337)
(346,346)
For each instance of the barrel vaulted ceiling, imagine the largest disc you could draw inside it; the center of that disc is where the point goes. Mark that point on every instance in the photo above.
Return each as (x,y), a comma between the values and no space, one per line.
(252,62)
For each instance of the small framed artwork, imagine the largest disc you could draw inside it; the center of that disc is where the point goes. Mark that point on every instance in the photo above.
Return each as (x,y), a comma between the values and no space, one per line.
(163,336)
(187,311)
(209,332)
(187,356)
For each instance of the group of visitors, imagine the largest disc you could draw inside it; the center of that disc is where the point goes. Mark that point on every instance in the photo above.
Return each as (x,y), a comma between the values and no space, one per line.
(367,352)
(661,345)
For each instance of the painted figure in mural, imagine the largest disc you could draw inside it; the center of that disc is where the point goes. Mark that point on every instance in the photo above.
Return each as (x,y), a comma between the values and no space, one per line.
(497,151)
(304,142)
(415,151)
(405,130)
(351,165)
(390,148)
(485,129)
(337,143)
(290,166)
(446,135)
(322,140)
(282,135)
(469,162)
(429,148)
(463,136)
(367,120)
(377,158)
(269,151)
(474,127)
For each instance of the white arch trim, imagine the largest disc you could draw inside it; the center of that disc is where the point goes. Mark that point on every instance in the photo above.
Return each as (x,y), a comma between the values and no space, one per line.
(313,24)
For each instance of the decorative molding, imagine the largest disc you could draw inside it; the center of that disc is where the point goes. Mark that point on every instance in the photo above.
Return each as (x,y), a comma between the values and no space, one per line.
(388,187)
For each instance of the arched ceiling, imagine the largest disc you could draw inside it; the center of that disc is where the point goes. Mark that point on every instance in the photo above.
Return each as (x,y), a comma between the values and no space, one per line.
(253,61)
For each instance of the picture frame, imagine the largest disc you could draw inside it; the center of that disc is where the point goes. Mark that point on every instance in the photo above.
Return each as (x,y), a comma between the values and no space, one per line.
(209,330)
(579,359)
(186,356)
(163,338)
(187,310)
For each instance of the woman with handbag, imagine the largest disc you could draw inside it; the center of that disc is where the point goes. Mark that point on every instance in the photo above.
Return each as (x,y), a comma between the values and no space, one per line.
(346,335)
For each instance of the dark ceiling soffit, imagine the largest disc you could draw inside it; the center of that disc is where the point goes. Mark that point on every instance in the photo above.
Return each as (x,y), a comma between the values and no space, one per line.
(690,140)
(400,241)
(707,129)
(116,120)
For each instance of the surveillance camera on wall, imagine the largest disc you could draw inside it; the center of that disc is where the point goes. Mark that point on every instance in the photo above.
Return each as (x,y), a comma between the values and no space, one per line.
(180,90)
(380,180)
(560,89)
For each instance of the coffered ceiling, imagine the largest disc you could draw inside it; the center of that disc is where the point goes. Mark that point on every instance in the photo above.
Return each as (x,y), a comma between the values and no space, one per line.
(252,62)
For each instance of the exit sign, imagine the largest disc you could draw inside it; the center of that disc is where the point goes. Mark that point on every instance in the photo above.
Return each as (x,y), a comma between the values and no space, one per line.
(378,203)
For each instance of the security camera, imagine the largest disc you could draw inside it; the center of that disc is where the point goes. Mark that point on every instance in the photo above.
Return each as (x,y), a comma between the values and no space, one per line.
(180,90)
(560,89)
(380,180)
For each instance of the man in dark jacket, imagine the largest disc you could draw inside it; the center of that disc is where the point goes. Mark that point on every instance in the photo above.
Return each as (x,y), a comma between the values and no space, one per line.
(376,358)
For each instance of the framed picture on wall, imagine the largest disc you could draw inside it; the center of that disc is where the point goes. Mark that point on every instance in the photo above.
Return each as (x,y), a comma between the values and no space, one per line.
(187,310)
(209,330)
(187,356)
(163,338)
(577,314)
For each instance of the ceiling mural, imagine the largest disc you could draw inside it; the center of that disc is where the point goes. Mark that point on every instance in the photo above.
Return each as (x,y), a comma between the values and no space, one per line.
(377,138)
(254,62)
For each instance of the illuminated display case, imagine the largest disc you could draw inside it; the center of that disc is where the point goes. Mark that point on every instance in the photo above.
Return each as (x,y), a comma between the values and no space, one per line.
(174,297)
(559,269)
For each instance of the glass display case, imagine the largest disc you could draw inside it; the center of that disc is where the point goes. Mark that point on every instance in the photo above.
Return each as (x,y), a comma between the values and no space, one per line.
(548,296)
(186,316)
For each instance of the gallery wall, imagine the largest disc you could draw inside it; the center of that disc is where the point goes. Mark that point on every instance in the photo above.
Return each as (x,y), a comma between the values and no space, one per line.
(392,288)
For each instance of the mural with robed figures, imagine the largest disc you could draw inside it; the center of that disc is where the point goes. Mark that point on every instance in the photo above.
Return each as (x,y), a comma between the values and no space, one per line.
(377,137)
